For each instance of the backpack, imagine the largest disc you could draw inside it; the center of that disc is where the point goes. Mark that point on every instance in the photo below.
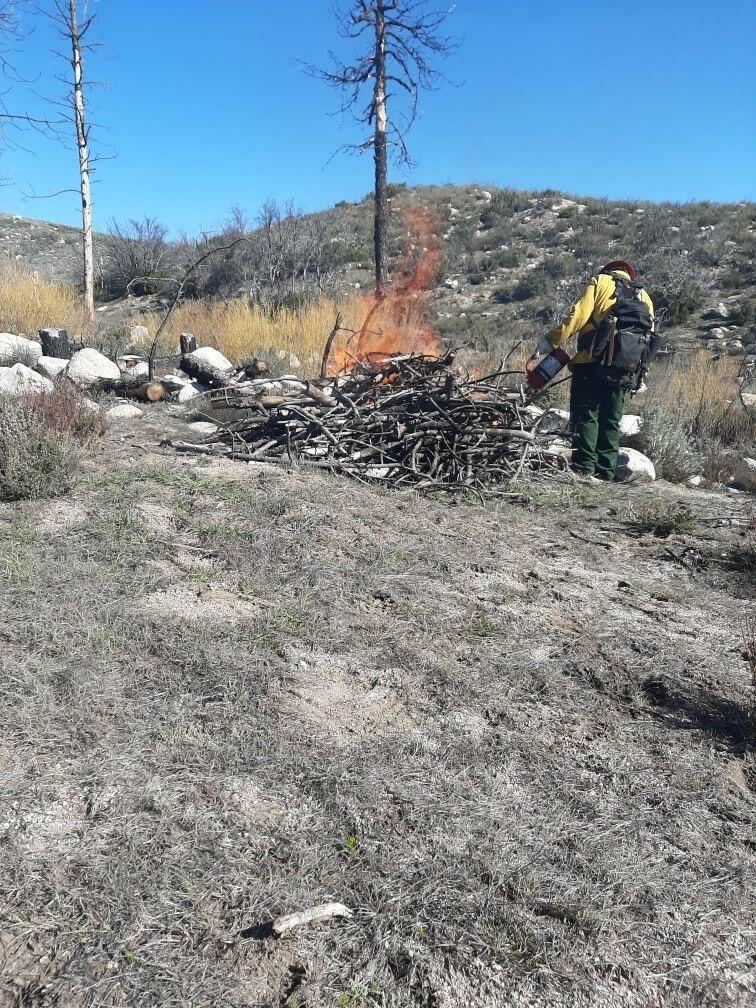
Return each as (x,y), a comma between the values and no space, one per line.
(624,342)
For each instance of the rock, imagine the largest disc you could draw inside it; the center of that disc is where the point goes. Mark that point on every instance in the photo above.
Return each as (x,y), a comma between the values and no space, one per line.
(124,411)
(90,404)
(51,367)
(718,333)
(18,350)
(736,344)
(720,310)
(630,425)
(212,358)
(20,380)
(694,481)
(745,475)
(749,400)
(175,382)
(202,427)
(140,369)
(87,366)
(451,283)
(554,421)
(634,467)
(190,391)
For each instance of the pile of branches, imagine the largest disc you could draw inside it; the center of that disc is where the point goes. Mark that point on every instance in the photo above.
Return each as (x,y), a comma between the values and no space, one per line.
(408,421)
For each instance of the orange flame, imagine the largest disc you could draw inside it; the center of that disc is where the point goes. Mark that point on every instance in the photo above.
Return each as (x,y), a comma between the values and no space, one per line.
(397,321)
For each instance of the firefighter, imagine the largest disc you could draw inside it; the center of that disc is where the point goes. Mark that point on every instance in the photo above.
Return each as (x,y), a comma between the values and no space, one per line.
(614,323)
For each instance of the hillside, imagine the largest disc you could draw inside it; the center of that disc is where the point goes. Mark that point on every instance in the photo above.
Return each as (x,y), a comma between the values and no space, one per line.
(511,739)
(511,259)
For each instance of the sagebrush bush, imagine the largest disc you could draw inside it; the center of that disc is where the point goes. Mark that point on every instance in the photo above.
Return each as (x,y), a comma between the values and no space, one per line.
(36,462)
(667,440)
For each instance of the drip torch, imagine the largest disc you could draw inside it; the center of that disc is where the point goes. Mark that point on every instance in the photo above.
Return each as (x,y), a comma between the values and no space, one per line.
(541,372)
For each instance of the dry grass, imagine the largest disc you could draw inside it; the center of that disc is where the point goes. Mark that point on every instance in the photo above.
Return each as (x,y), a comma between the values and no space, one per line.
(748,630)
(238,328)
(517,815)
(29,303)
(702,392)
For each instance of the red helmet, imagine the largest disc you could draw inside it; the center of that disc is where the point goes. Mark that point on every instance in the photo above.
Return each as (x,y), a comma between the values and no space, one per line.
(619,264)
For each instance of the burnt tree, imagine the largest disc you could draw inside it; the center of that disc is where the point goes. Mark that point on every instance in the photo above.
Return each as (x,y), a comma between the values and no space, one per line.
(397,41)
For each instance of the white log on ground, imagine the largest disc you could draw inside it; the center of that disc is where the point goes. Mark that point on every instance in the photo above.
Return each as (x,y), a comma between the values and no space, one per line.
(313,915)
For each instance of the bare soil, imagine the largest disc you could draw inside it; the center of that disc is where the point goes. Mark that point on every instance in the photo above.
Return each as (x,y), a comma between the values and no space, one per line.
(513,739)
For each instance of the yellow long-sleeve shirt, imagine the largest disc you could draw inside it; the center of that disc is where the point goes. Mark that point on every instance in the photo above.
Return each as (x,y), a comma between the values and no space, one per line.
(594,303)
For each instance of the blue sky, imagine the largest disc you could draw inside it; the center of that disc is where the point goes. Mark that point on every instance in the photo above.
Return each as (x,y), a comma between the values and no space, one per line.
(206,105)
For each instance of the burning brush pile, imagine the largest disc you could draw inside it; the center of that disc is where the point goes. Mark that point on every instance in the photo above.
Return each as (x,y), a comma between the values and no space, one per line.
(406,421)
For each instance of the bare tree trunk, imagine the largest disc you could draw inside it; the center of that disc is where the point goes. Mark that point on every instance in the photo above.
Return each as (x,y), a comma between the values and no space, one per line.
(380,148)
(82,144)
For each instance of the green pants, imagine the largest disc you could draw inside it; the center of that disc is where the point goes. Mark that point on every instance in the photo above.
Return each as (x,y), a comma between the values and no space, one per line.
(595,414)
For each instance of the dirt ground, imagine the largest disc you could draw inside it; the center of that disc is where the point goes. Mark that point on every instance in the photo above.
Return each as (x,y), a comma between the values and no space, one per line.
(512,738)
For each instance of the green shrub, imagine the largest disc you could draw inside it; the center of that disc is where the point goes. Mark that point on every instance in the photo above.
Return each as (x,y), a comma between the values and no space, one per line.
(680,302)
(36,462)
(505,258)
(558,266)
(505,202)
(744,313)
(533,284)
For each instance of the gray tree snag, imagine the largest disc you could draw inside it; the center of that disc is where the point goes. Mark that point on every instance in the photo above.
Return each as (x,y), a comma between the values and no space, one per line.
(69,23)
(397,40)
(380,149)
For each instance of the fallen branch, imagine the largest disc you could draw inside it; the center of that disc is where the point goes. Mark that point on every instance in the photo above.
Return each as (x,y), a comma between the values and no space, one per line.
(313,915)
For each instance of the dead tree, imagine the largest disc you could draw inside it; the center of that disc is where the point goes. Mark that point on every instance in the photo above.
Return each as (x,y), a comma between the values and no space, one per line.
(65,17)
(398,41)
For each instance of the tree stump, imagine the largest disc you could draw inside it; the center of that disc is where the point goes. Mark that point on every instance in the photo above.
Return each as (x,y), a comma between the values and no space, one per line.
(56,343)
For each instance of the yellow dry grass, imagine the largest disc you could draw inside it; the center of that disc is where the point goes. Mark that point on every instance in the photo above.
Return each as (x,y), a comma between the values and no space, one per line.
(702,392)
(29,303)
(238,328)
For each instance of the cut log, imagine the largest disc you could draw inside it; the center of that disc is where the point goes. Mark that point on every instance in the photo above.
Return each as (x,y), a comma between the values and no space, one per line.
(188,342)
(56,343)
(133,388)
(205,373)
(255,368)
